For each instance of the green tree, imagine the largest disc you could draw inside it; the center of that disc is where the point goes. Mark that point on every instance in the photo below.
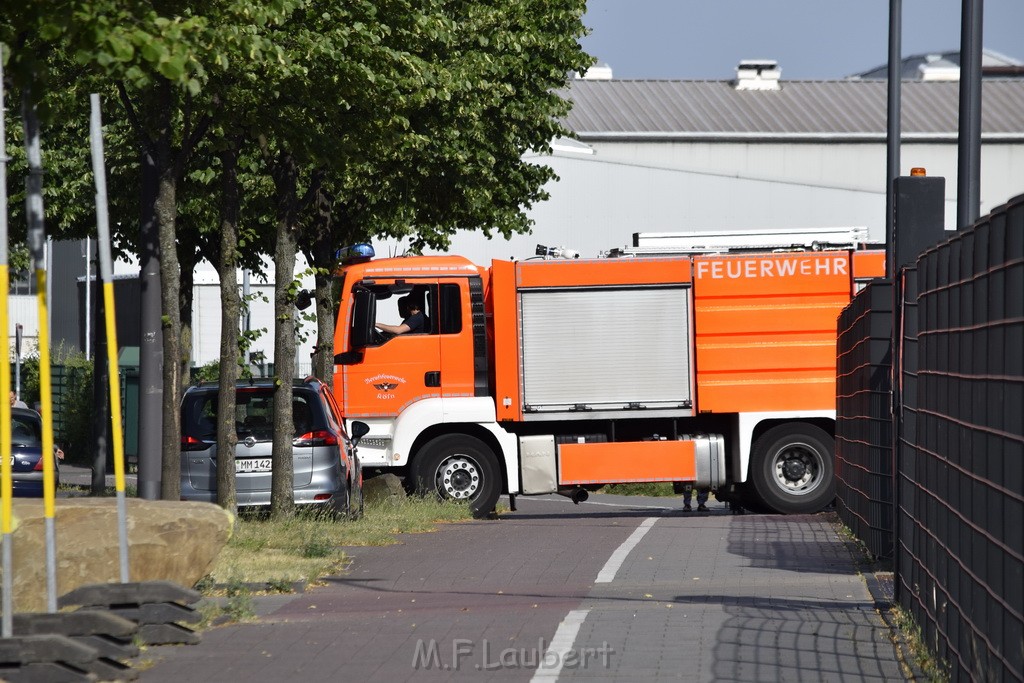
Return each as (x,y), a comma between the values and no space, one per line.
(158,60)
(306,131)
(484,91)
(373,118)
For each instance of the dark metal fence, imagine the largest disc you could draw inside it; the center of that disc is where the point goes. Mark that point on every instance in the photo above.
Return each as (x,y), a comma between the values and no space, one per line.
(959,502)
(73,410)
(961,508)
(863,420)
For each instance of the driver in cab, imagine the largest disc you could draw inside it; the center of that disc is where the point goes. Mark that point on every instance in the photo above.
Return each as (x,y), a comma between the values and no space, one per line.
(413,319)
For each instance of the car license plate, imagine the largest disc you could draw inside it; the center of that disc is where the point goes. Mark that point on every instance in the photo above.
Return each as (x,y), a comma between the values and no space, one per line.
(244,465)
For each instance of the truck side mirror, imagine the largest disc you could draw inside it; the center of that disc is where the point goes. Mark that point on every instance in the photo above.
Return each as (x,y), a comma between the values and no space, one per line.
(363,316)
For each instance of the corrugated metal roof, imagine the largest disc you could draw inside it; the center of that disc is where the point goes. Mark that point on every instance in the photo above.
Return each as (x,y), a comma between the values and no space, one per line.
(846,109)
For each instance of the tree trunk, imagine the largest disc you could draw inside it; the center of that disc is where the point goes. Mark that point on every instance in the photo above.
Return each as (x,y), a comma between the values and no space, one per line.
(166,211)
(285,173)
(187,262)
(227,437)
(323,356)
(320,255)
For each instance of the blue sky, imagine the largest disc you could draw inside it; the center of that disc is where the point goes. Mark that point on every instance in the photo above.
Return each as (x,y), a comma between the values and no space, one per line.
(811,39)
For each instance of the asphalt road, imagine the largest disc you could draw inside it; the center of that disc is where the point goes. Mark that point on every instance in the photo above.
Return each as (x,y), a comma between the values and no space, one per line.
(614,589)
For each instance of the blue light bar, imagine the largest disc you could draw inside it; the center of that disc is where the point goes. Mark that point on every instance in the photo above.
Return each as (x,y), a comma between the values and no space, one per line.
(355,253)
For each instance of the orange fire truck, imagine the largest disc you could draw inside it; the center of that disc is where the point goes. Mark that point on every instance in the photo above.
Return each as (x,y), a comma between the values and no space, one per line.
(704,358)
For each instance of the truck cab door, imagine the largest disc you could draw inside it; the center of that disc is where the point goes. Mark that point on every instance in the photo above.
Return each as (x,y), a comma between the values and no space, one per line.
(394,370)
(453,321)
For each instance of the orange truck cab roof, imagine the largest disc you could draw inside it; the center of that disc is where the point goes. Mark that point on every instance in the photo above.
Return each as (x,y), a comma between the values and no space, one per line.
(422,266)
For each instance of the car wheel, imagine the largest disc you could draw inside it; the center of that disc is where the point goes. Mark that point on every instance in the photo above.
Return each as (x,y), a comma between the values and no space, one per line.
(792,469)
(459,467)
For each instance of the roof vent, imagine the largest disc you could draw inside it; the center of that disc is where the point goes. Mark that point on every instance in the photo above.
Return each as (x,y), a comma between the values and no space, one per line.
(758,74)
(938,68)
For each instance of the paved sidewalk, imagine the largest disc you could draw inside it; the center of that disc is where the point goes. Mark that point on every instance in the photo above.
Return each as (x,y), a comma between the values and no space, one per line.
(82,476)
(698,597)
(747,598)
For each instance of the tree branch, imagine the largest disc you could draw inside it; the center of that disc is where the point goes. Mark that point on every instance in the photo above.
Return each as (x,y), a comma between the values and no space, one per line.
(133,118)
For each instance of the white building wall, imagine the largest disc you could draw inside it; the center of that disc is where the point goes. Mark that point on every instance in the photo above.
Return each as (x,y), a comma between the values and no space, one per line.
(206,312)
(627,187)
(24,309)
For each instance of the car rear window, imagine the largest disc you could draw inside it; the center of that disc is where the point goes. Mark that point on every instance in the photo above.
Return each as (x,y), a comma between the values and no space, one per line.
(26,430)
(254,412)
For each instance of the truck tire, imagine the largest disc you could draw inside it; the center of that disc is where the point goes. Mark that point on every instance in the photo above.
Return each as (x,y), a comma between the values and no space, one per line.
(792,469)
(459,467)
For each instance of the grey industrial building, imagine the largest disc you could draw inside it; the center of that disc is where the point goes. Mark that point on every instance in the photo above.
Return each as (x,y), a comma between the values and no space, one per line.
(757,152)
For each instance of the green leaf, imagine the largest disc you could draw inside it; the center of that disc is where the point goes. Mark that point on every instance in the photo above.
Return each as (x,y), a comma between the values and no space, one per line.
(50,31)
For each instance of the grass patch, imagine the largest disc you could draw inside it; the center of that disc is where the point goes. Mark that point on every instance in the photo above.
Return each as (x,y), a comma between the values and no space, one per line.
(661,489)
(309,546)
(916,660)
(235,605)
(84,490)
(934,670)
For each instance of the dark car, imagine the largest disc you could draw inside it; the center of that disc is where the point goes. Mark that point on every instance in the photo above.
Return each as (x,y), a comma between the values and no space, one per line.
(324,459)
(26,454)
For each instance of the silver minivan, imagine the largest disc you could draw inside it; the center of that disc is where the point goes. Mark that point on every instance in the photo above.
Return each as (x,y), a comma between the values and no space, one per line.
(324,460)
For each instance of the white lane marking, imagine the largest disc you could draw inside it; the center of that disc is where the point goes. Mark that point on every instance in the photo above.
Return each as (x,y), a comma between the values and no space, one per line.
(607,572)
(561,645)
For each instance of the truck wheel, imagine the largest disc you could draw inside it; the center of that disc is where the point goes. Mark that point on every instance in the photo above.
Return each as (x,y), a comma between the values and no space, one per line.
(792,469)
(459,467)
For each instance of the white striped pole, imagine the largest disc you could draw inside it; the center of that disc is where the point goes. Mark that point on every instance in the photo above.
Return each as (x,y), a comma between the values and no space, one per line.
(107,277)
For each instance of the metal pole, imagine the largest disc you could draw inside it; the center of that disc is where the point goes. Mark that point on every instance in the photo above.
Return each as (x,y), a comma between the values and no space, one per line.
(88,296)
(151,383)
(892,171)
(892,165)
(48,265)
(968,179)
(107,275)
(36,244)
(18,329)
(6,487)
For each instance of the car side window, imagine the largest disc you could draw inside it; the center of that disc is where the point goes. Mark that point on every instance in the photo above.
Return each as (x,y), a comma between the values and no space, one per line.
(302,414)
(207,423)
(199,414)
(333,411)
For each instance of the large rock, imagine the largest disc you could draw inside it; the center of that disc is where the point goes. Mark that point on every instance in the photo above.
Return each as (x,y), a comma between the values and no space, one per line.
(167,540)
(383,487)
